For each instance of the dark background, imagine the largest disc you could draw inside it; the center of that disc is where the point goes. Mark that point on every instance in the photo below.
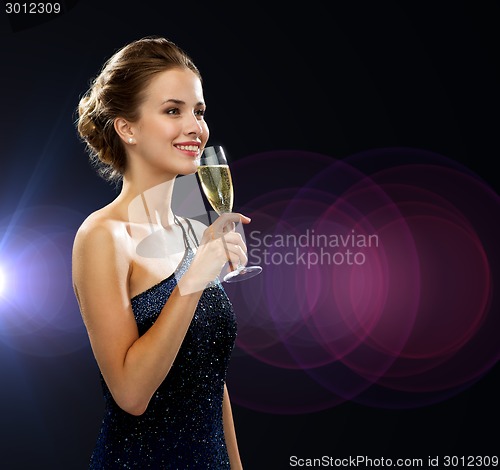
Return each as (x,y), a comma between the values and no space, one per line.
(335,80)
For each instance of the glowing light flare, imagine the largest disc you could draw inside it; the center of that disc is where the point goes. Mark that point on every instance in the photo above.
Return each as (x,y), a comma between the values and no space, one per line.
(3,280)
(38,311)
(412,325)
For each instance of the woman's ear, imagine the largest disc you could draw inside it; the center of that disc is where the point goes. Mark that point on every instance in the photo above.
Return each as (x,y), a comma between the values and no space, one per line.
(124,130)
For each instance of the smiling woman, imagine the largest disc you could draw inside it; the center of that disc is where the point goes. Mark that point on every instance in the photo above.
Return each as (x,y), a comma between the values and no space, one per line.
(119,90)
(161,327)
(167,137)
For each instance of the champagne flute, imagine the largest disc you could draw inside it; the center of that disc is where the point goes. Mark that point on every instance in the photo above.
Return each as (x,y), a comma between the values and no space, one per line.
(216,182)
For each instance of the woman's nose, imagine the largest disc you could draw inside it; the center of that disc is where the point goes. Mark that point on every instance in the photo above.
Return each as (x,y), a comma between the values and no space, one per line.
(194,126)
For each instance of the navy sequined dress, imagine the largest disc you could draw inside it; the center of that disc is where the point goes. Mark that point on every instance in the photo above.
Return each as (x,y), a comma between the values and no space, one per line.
(182,426)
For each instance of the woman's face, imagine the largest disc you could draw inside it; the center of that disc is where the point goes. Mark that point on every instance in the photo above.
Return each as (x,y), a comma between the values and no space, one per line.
(171,131)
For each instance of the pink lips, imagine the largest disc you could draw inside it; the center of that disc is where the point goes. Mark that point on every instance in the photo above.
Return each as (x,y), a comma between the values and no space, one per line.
(190,148)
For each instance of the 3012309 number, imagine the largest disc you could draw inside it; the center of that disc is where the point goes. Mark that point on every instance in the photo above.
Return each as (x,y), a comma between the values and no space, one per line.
(32,8)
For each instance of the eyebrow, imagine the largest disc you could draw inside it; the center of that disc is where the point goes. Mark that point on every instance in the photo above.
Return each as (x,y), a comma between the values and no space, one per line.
(180,102)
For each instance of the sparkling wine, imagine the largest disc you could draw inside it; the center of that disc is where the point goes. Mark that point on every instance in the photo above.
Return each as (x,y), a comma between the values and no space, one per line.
(217,186)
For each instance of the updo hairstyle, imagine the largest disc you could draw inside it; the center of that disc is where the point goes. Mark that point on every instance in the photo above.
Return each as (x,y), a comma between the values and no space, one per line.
(118,91)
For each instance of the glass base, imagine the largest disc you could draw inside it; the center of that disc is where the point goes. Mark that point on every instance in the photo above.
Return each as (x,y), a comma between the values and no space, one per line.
(242,274)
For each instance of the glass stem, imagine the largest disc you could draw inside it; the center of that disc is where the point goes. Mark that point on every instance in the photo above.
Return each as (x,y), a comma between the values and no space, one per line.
(231,265)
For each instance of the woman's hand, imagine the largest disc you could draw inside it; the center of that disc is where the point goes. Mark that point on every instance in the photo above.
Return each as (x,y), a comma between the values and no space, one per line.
(220,243)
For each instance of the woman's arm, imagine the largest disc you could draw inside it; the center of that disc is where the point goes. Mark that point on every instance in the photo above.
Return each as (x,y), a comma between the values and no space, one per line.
(230,433)
(132,366)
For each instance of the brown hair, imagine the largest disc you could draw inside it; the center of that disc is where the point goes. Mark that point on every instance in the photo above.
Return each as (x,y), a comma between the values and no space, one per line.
(117,92)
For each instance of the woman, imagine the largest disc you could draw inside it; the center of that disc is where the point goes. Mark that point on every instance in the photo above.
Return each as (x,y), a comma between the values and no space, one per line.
(161,327)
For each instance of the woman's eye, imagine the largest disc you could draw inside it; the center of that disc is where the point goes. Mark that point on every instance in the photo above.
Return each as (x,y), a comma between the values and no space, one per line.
(200,112)
(172,111)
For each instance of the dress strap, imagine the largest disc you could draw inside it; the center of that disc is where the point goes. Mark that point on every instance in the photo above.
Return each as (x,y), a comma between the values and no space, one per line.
(185,234)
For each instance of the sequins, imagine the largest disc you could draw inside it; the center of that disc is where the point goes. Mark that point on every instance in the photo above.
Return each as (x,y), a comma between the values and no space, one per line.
(182,426)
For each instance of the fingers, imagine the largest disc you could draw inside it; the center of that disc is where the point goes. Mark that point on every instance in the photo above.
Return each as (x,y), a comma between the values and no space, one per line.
(224,241)
(236,250)
(226,222)
(234,217)
(220,244)
(228,247)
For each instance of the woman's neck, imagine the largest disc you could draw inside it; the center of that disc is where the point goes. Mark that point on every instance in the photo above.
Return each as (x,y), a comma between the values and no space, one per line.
(149,202)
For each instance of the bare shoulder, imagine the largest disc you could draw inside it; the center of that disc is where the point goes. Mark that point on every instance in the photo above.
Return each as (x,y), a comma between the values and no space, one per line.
(101,238)
(97,229)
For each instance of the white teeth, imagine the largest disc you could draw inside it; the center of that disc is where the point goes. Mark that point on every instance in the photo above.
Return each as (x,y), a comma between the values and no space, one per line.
(189,148)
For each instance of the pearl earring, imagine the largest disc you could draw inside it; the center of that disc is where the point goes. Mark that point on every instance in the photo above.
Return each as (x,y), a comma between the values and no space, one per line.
(131,140)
